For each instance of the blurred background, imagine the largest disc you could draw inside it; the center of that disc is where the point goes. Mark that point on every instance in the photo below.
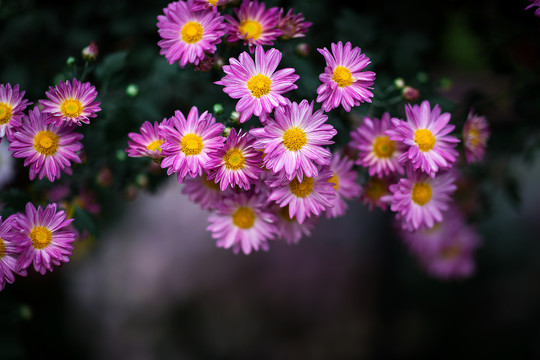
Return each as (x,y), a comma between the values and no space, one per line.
(148,281)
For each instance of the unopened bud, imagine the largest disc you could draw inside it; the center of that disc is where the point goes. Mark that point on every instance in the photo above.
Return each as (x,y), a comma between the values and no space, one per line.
(104,177)
(218,109)
(132,90)
(399,83)
(302,49)
(226,131)
(70,61)
(410,94)
(235,117)
(90,52)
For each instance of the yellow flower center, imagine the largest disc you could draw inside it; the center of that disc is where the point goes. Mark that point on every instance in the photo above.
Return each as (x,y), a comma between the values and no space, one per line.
(192,32)
(451,252)
(342,76)
(375,188)
(155,145)
(210,183)
(41,237)
(71,108)
(234,159)
(259,85)
(301,189)
(294,138)
(2,248)
(421,193)
(5,113)
(212,2)
(473,136)
(46,142)
(425,139)
(334,179)
(191,144)
(383,147)
(243,217)
(251,29)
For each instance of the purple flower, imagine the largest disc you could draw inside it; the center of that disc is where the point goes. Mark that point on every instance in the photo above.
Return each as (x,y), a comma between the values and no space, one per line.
(198,5)
(375,192)
(147,142)
(345,185)
(534,3)
(292,25)
(12,106)
(204,192)
(8,254)
(290,229)
(475,135)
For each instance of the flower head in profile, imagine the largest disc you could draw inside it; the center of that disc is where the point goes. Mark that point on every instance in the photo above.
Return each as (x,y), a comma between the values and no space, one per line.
(146,143)
(48,149)
(289,229)
(257,83)
(44,237)
(204,192)
(12,105)
(70,103)
(475,135)
(292,25)
(344,82)
(242,222)
(344,183)
(375,150)
(425,135)
(187,35)
(8,254)
(294,143)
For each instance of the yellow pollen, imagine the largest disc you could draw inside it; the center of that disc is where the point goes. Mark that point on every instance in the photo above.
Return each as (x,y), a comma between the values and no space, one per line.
(41,237)
(191,144)
(342,76)
(212,2)
(473,137)
(251,29)
(259,85)
(294,138)
(451,252)
(425,139)
(71,108)
(421,193)
(46,142)
(234,159)
(375,188)
(155,145)
(383,147)
(192,32)
(243,217)
(210,183)
(5,113)
(2,248)
(301,189)
(334,179)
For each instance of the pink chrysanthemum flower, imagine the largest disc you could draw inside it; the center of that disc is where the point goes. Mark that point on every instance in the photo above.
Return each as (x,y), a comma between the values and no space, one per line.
(344,183)
(343,81)
(190,143)
(255,24)
(70,103)
(311,196)
(204,192)
(475,135)
(8,254)
(47,149)
(186,35)
(199,5)
(237,163)
(291,230)
(292,25)
(419,199)
(12,106)
(425,135)
(257,84)
(294,143)
(534,3)
(43,237)
(375,150)
(376,191)
(146,143)
(242,222)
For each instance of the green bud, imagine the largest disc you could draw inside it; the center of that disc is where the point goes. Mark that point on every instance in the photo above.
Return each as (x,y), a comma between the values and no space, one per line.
(399,83)
(121,155)
(132,90)
(218,109)
(70,61)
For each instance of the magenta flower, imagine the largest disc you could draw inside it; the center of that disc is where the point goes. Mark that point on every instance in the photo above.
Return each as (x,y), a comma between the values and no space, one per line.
(292,25)
(376,192)
(343,81)
(186,35)
(43,237)
(475,135)
(344,183)
(242,222)
(294,143)
(199,5)
(47,149)
(375,150)
(190,143)
(147,143)
(534,3)
(12,106)
(255,24)
(425,135)
(204,192)
(8,254)
(257,84)
(237,163)
(70,103)
(291,230)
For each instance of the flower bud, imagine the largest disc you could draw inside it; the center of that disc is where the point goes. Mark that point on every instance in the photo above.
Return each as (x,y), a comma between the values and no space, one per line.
(132,90)
(409,93)
(302,49)
(90,52)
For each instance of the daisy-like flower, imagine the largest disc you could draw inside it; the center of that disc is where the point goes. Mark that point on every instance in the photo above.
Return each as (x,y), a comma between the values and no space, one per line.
(204,192)
(43,237)
(47,149)
(534,3)
(8,254)
(255,25)
(344,183)
(292,25)
(12,105)
(375,150)
(190,143)
(376,192)
(7,164)
(256,83)
(237,163)
(290,229)
(475,135)
(311,196)
(70,103)
(242,222)
(186,35)
(199,5)
(146,143)
(419,199)
(294,143)
(343,81)
(425,135)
